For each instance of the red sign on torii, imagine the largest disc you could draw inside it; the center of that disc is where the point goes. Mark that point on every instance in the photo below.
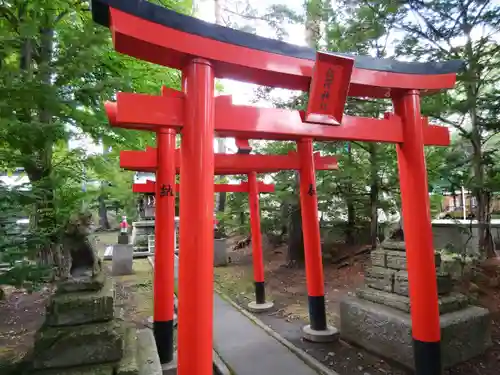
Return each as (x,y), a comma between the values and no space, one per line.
(204,51)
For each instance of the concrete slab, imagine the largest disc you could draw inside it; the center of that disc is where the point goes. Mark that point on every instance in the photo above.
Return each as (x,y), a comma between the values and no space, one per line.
(247,349)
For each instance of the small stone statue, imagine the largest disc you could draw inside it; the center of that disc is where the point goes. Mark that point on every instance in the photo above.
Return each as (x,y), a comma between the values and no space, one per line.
(78,258)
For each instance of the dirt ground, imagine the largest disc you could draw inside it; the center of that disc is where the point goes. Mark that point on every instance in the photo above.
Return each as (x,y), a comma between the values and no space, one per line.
(22,314)
(287,288)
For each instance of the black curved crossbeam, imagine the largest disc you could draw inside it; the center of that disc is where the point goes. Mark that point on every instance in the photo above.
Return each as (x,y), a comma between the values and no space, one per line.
(166,17)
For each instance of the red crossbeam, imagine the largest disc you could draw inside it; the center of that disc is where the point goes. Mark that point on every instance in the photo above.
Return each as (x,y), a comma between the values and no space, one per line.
(147,112)
(145,161)
(149,187)
(166,46)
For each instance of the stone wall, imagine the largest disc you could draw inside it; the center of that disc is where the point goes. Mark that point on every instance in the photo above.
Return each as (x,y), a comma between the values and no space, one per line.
(461,235)
(378,316)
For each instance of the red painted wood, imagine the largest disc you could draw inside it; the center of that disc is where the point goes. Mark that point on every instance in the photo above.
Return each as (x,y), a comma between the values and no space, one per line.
(147,112)
(165,46)
(225,164)
(149,188)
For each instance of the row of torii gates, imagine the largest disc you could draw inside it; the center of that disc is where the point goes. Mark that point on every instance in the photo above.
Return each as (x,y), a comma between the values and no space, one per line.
(203,52)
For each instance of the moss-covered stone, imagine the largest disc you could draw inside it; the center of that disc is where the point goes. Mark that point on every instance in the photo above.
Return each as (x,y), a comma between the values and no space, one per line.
(87,370)
(128,365)
(59,347)
(81,307)
(82,284)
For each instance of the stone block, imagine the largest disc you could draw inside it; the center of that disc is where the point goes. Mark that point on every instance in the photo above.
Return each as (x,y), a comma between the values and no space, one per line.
(60,347)
(395,259)
(380,278)
(386,331)
(444,283)
(378,258)
(128,364)
(449,303)
(123,259)
(220,252)
(81,307)
(82,284)
(123,239)
(86,370)
(149,361)
(394,245)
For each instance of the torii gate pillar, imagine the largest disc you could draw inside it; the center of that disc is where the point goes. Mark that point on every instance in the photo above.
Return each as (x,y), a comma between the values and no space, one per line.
(163,319)
(426,329)
(196,220)
(317,330)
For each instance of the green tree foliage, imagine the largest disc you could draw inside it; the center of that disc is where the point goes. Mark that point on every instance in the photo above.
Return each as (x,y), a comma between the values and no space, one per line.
(57,67)
(409,30)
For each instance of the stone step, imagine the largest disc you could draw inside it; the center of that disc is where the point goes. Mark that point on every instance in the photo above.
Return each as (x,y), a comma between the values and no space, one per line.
(447,304)
(380,278)
(106,369)
(393,245)
(129,363)
(444,283)
(394,259)
(83,284)
(81,307)
(60,347)
(147,354)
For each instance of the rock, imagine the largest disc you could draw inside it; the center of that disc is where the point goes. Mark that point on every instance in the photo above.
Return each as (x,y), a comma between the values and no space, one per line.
(128,364)
(80,284)
(59,347)
(380,278)
(82,307)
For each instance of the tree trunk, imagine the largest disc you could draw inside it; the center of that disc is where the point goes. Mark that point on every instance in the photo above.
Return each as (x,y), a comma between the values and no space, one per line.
(295,255)
(374,188)
(103,213)
(314,10)
(295,235)
(351,211)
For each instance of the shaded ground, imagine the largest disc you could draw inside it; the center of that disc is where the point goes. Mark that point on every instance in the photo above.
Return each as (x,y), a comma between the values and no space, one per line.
(287,288)
(22,314)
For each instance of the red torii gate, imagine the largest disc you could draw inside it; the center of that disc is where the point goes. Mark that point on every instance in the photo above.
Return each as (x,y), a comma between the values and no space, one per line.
(225,164)
(253,188)
(243,187)
(204,51)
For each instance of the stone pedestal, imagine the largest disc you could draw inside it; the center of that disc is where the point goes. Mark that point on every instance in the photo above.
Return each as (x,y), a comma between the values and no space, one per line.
(82,337)
(123,238)
(378,317)
(123,259)
(140,232)
(220,252)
